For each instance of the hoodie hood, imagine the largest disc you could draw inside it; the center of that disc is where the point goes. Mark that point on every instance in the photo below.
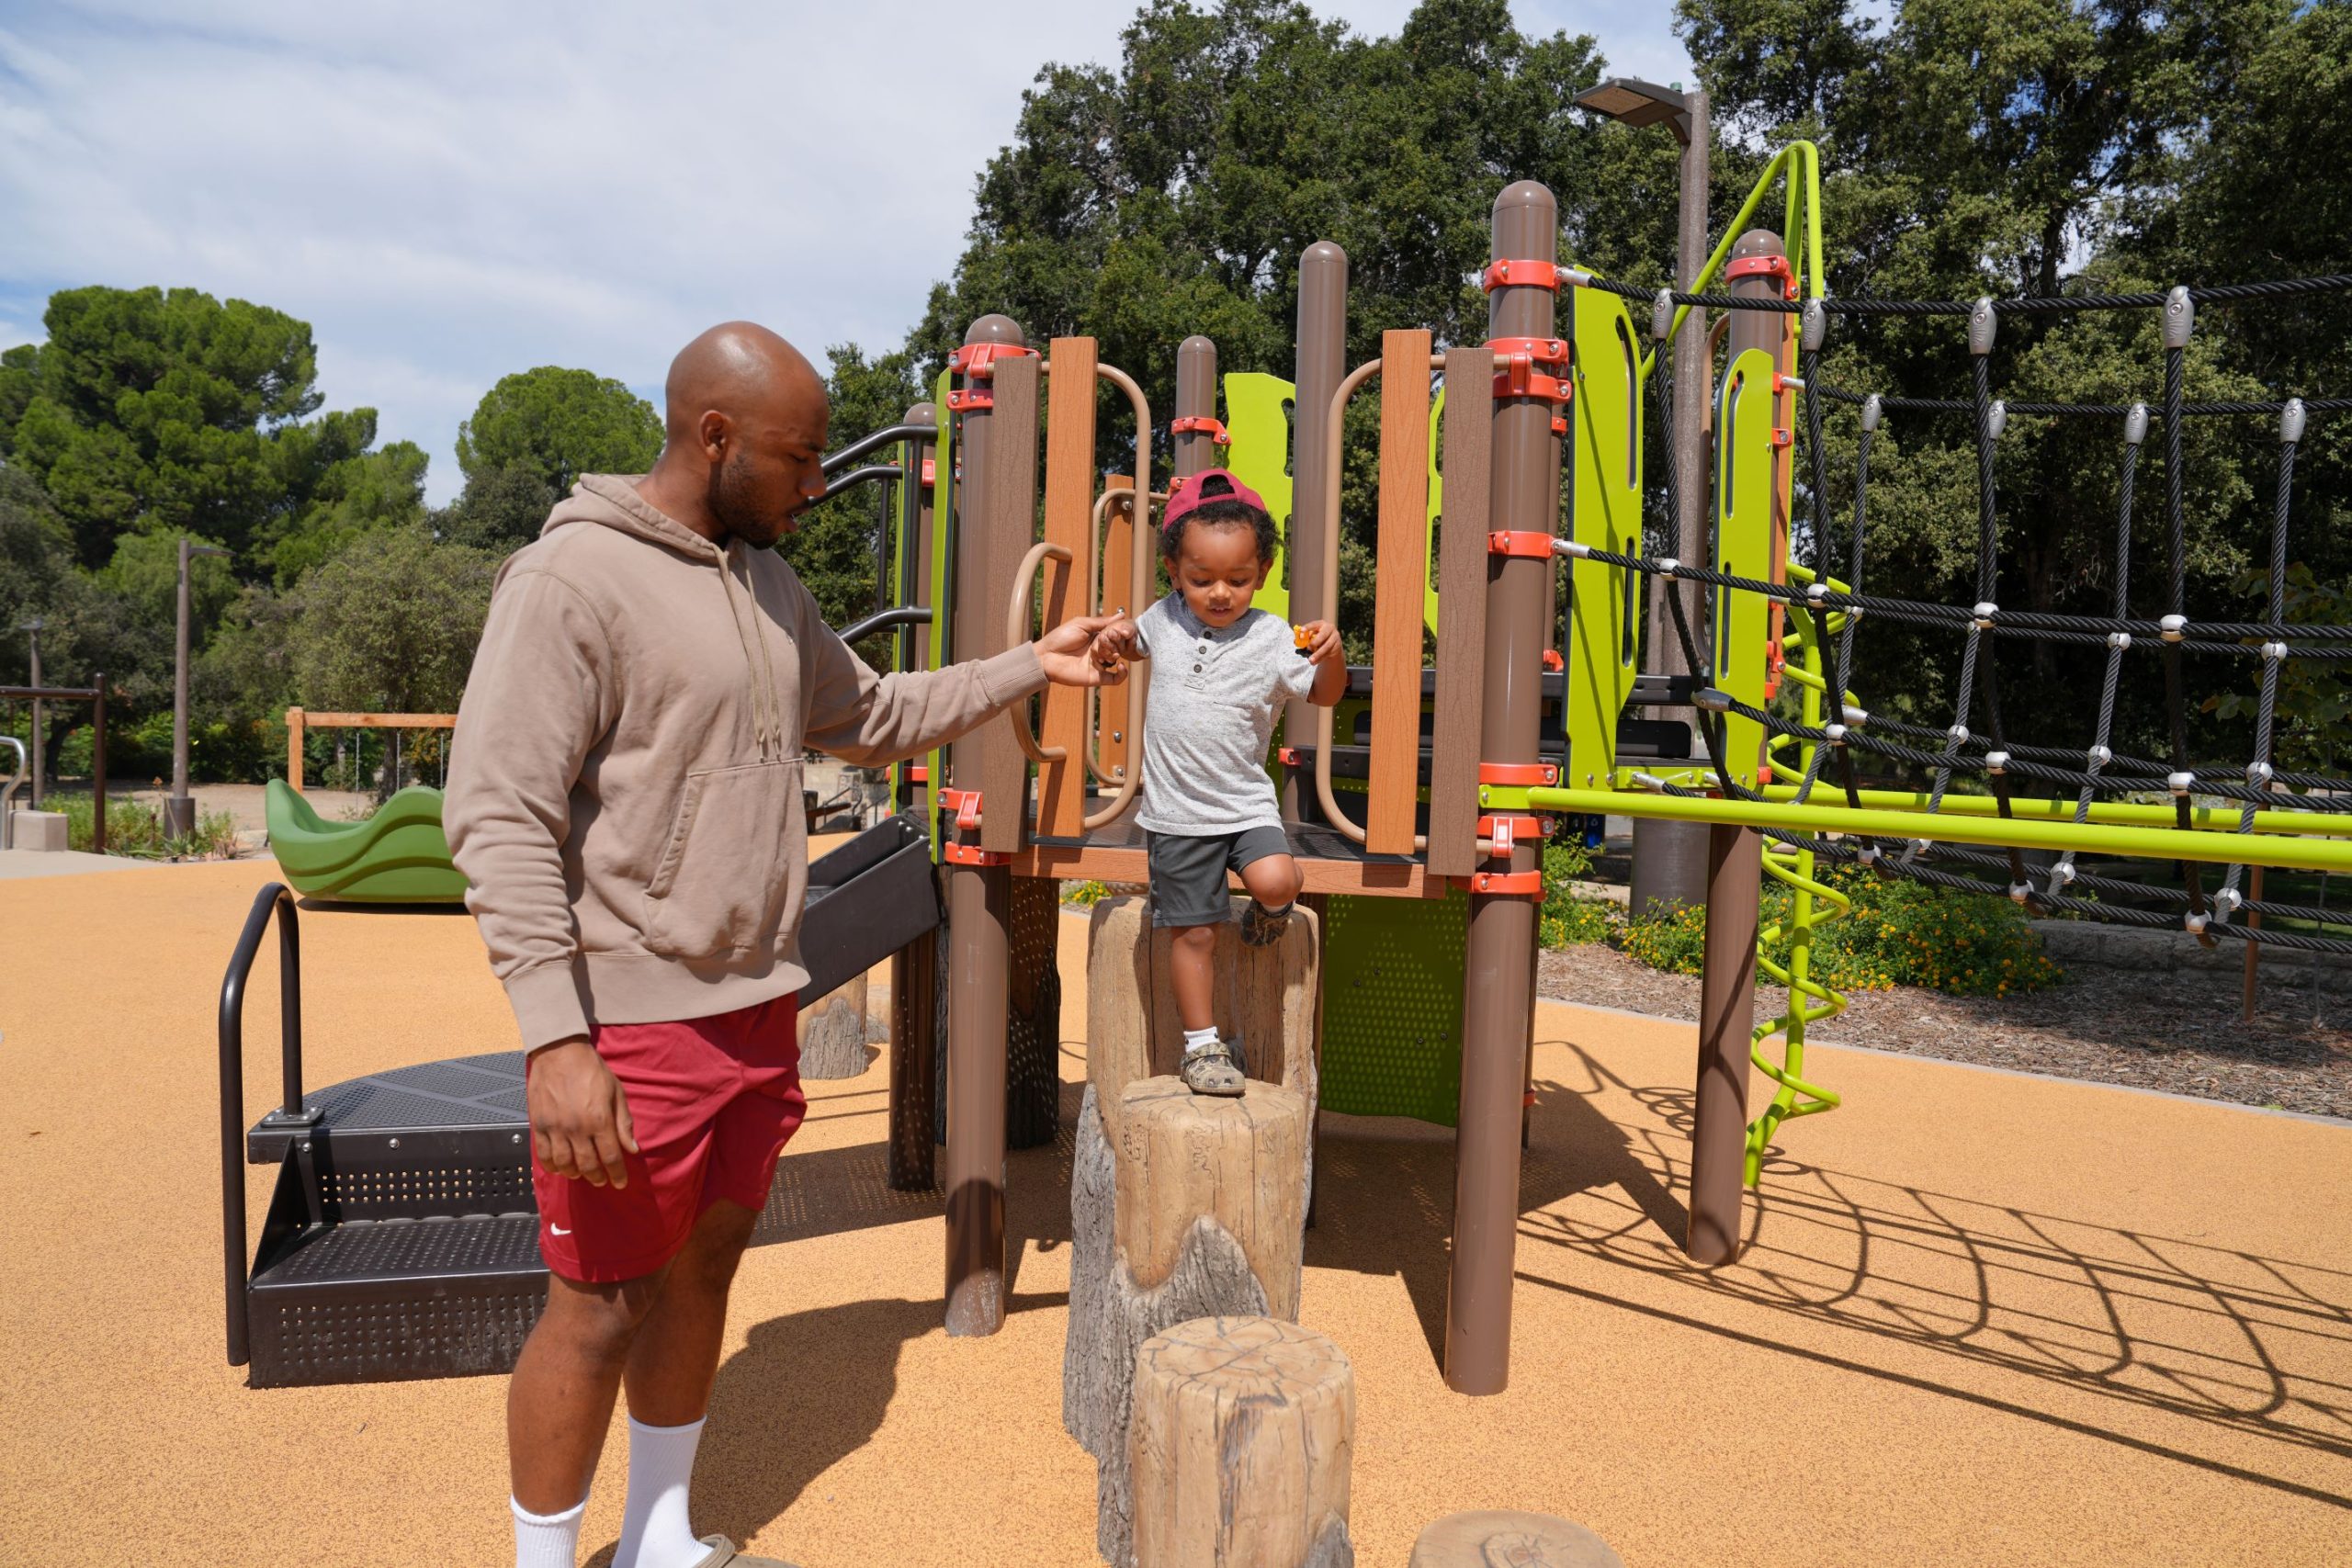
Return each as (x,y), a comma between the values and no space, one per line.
(612,501)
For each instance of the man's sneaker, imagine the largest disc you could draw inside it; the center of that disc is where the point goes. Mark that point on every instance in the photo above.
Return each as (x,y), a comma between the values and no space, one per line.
(1210,1069)
(1261,927)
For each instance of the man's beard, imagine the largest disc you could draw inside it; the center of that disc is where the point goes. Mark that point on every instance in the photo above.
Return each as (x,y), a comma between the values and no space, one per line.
(729,498)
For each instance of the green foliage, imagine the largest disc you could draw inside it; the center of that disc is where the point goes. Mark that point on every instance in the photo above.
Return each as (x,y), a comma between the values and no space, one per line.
(1897,933)
(171,411)
(1085,895)
(136,828)
(370,489)
(1566,918)
(146,573)
(559,424)
(501,511)
(388,624)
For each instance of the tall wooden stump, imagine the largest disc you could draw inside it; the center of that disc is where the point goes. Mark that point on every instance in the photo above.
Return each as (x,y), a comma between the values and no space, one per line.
(1207,1218)
(1495,1538)
(1241,1448)
(1267,998)
(832,1031)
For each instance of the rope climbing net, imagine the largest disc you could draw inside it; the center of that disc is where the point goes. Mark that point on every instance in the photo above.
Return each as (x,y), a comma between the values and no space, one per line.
(1827,602)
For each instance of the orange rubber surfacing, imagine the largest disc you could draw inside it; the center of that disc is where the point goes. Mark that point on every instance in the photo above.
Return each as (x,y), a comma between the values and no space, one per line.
(1982,1318)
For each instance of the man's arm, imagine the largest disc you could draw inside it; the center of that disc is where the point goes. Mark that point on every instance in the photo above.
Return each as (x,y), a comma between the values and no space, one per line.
(538,697)
(870,719)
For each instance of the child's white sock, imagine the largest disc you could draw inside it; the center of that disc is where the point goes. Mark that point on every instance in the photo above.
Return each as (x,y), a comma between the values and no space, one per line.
(654,1531)
(548,1541)
(1198,1040)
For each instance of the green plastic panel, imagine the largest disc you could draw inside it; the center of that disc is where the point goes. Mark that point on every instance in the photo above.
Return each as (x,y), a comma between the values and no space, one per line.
(1257,417)
(399,855)
(1743,548)
(1437,509)
(1392,1007)
(1605,512)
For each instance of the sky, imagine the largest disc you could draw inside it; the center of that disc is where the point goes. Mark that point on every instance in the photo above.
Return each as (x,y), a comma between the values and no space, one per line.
(449,193)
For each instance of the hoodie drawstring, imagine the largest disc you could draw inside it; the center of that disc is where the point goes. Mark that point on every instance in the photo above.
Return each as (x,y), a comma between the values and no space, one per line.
(767,718)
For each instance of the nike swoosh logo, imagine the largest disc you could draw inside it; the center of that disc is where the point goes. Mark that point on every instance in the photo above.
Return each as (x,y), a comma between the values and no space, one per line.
(557,1230)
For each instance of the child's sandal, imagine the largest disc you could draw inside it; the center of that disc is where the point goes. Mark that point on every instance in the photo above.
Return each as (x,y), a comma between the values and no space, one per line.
(1210,1069)
(1261,927)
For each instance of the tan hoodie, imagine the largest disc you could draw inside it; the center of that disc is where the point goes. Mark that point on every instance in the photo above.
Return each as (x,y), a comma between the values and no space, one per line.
(625,782)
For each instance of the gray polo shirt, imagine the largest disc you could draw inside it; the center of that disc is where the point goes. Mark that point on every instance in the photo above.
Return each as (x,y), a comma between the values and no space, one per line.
(1210,716)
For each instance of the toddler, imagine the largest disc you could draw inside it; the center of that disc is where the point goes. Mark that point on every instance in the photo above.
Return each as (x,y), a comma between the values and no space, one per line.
(1219,671)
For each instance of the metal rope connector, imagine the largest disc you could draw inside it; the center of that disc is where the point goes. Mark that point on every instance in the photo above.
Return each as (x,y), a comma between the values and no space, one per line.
(1855,716)
(1997,418)
(1997,761)
(1713,700)
(2181,318)
(1662,314)
(2019,892)
(1866,855)
(2228,900)
(2274,651)
(1836,732)
(2119,641)
(1816,592)
(1985,611)
(2180,784)
(1871,411)
(2099,757)
(2258,774)
(1570,547)
(2135,424)
(2062,874)
(1668,565)
(2291,422)
(1981,324)
(2174,627)
(1959,734)
(2193,923)
(1814,327)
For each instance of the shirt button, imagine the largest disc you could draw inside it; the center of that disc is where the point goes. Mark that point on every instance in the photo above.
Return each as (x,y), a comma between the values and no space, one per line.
(1196,669)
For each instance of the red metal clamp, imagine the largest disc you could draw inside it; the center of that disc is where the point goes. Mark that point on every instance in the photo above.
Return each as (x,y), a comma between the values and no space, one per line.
(971,854)
(1784,438)
(1189,423)
(1544,775)
(917,772)
(964,400)
(1765,267)
(1517,274)
(1286,755)
(1493,882)
(930,470)
(1541,350)
(1520,379)
(1507,831)
(977,362)
(966,803)
(1521,542)
(1559,424)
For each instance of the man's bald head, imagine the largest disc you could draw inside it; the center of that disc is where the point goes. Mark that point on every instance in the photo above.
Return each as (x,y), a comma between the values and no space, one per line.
(747,417)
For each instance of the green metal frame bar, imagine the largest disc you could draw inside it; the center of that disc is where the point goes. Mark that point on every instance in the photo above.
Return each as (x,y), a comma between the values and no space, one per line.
(1801,161)
(1947,825)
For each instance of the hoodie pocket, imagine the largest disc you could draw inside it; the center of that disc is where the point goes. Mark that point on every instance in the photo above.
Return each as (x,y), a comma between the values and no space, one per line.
(721,887)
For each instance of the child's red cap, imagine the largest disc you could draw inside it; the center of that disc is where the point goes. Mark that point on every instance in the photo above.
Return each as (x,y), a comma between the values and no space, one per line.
(1209,484)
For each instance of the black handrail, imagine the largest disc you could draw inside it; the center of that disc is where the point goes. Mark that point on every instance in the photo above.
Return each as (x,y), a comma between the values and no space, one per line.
(904,615)
(277,899)
(886,436)
(856,476)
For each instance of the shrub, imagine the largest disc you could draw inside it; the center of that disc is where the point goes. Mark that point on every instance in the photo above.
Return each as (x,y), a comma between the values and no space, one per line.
(136,828)
(1567,920)
(1673,939)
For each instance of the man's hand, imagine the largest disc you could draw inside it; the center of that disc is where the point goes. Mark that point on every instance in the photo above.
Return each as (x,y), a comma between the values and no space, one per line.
(580,1121)
(1322,644)
(1068,653)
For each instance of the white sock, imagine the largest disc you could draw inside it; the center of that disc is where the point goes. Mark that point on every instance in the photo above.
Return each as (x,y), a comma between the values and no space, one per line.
(548,1541)
(654,1531)
(1198,1040)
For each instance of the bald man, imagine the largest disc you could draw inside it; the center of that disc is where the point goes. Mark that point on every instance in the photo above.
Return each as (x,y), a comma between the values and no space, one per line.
(625,801)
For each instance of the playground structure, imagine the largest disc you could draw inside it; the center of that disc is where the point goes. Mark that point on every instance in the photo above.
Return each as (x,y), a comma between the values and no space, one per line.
(1418,808)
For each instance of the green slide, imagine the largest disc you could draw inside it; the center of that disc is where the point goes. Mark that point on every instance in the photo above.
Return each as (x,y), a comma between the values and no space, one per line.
(397,857)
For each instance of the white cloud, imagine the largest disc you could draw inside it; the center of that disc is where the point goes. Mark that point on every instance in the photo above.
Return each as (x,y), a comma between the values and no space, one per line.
(452,192)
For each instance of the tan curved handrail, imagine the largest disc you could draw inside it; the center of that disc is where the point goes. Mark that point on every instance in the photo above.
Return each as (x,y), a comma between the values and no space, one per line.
(1016,632)
(1102,508)
(1330,572)
(1140,565)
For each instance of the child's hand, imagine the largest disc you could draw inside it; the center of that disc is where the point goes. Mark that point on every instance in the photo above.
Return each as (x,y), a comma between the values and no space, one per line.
(1115,645)
(1320,641)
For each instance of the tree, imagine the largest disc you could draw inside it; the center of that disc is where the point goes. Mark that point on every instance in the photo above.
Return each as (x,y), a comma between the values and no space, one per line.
(390,624)
(501,510)
(371,489)
(833,547)
(171,411)
(559,424)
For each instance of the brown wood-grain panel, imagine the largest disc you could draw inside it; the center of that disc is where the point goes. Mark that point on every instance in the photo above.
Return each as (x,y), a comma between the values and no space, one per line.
(1399,585)
(1069,507)
(1007,529)
(1466,469)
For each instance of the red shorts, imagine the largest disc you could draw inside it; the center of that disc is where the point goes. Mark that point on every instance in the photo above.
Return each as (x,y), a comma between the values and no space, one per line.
(713,1101)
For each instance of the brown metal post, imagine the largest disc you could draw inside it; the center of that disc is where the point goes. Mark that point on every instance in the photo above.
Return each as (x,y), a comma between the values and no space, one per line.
(1322,353)
(2253,951)
(1195,398)
(1669,858)
(1726,1016)
(978,907)
(1497,1001)
(98,762)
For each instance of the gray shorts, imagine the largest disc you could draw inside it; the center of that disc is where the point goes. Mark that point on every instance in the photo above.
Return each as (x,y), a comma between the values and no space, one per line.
(1188,873)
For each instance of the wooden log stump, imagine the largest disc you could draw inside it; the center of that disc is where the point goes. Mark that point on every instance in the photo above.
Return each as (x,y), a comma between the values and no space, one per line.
(832,1031)
(1495,1538)
(1204,1218)
(1241,1447)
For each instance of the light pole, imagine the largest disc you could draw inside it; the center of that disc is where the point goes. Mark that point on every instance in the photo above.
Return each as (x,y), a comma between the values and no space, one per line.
(32,630)
(179,809)
(1670,858)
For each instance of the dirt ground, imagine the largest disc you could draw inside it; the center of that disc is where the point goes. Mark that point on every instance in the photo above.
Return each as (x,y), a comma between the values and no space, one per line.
(1980,1318)
(2178,1032)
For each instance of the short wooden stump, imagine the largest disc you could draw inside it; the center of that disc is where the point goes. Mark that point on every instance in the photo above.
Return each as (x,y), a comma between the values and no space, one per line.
(1240,1446)
(1496,1538)
(832,1031)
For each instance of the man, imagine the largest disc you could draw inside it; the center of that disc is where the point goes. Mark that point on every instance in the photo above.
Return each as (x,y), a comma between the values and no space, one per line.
(626,805)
